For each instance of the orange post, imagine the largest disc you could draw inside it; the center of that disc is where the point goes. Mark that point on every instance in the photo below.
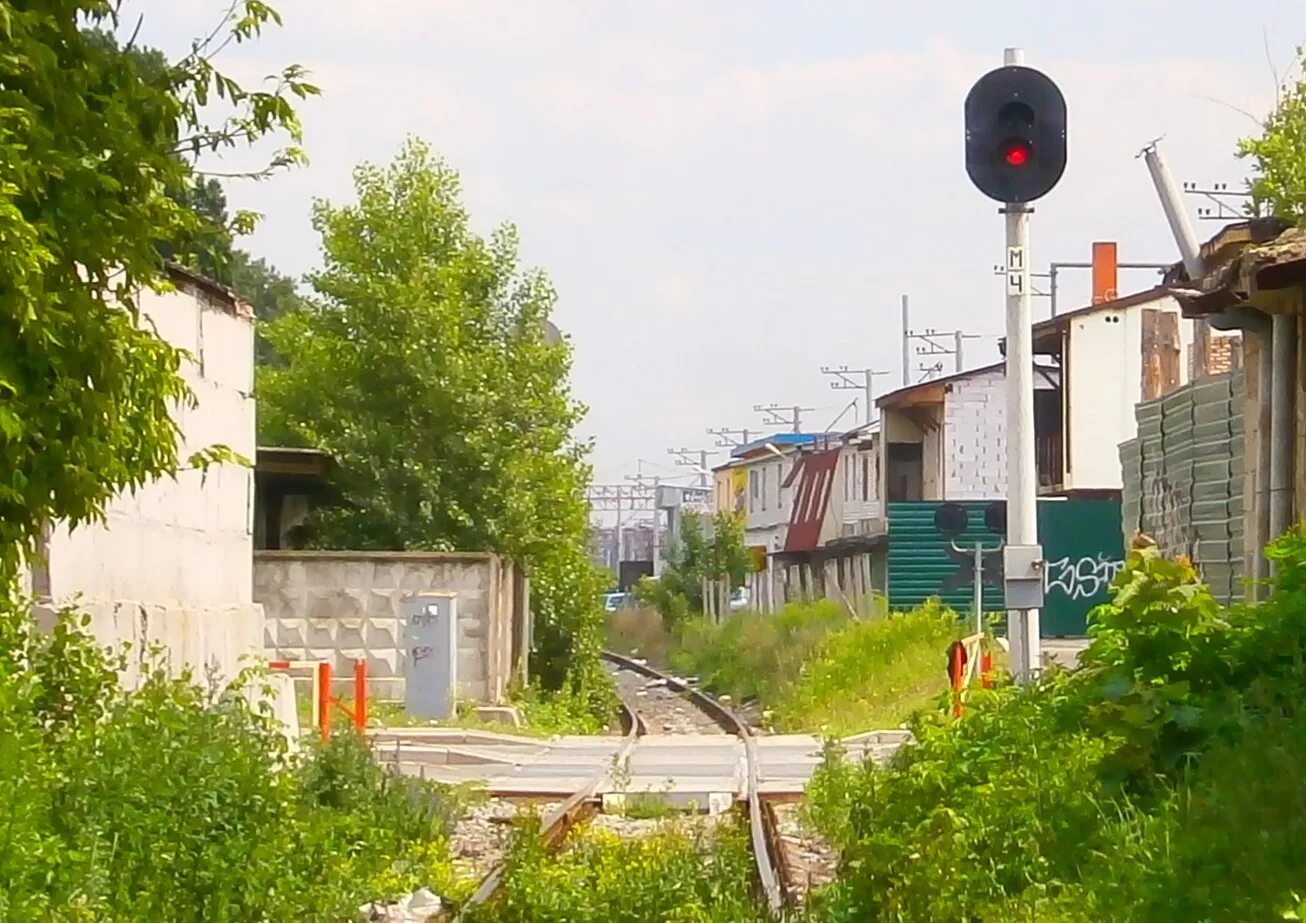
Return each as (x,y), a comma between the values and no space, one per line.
(956,674)
(324,700)
(360,695)
(986,670)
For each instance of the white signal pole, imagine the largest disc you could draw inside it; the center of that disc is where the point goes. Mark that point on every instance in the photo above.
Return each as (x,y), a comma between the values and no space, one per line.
(1022,479)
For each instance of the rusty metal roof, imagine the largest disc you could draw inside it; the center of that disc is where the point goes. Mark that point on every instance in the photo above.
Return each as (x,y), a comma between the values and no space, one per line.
(811,500)
(1253,272)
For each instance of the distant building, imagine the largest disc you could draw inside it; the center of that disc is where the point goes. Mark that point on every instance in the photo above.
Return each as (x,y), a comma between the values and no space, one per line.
(288,484)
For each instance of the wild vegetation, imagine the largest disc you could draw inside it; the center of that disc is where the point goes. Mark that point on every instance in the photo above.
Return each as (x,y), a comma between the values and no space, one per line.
(95,148)
(811,667)
(178,800)
(677,875)
(175,799)
(1162,780)
(1278,153)
(709,550)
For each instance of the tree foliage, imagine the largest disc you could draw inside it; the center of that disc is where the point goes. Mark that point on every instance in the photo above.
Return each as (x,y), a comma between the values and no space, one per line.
(94,145)
(711,550)
(420,363)
(1279,154)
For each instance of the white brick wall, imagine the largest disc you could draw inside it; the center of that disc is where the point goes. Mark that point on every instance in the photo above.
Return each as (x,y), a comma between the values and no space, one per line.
(974,438)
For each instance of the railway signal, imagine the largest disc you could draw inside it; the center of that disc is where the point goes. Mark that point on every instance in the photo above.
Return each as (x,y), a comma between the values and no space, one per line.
(1015,134)
(1016,153)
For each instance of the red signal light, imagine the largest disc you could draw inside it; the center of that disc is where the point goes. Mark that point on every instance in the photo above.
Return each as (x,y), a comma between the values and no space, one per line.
(1016,153)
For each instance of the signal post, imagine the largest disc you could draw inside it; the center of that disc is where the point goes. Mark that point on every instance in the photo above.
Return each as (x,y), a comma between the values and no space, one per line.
(1015,154)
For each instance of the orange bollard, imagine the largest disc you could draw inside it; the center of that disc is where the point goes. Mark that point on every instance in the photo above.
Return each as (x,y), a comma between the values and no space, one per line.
(986,670)
(956,674)
(324,700)
(360,695)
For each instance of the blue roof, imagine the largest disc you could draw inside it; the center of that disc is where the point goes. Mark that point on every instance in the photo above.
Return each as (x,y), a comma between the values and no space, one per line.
(778,440)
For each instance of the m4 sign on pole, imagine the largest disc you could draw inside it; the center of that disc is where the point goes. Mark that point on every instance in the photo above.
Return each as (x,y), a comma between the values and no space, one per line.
(1017,271)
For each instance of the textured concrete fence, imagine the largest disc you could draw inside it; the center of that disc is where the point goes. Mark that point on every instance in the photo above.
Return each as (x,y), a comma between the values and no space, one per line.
(346,605)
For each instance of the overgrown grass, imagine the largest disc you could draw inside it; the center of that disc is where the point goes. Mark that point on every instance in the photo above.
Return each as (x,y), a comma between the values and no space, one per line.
(179,801)
(1164,779)
(812,667)
(675,875)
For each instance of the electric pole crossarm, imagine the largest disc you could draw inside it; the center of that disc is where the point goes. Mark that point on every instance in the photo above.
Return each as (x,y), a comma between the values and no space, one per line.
(846,379)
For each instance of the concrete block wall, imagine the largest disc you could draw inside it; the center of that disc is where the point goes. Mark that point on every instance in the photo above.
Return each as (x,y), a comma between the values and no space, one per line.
(974,438)
(343,606)
(173,561)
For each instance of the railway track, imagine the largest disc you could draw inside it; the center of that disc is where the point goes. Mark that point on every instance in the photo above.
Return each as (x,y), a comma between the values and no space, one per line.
(768,854)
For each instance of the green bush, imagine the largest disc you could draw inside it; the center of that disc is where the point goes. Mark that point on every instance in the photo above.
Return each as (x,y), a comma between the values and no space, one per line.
(1161,780)
(180,802)
(816,668)
(675,875)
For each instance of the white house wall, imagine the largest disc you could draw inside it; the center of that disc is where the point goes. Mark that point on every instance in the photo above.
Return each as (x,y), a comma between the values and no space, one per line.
(173,563)
(974,437)
(1104,382)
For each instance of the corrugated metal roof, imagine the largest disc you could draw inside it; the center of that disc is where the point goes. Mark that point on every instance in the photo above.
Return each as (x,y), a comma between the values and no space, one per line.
(811,500)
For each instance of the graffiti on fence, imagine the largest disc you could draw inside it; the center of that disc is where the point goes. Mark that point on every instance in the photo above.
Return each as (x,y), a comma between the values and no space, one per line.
(1082,578)
(1165,516)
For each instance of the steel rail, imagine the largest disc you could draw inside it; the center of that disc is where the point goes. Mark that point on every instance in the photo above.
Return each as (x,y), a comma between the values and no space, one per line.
(555,826)
(758,822)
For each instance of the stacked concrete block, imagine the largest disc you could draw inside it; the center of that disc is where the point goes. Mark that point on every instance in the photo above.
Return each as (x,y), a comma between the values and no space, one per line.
(974,439)
(347,606)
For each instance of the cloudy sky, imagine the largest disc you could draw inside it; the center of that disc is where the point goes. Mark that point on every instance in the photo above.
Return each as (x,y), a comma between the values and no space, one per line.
(729,195)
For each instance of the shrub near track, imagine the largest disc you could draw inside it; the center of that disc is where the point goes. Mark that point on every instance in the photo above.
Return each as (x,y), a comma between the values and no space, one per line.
(1162,780)
(175,802)
(678,874)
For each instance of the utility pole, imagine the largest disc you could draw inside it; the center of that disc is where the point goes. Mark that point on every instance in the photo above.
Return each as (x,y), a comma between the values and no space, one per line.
(935,343)
(619,499)
(1054,273)
(693,458)
(1220,195)
(771,414)
(639,478)
(906,343)
(844,380)
(729,438)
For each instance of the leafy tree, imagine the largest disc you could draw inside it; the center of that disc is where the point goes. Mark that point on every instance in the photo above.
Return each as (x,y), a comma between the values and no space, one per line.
(270,293)
(91,144)
(1279,154)
(698,556)
(421,364)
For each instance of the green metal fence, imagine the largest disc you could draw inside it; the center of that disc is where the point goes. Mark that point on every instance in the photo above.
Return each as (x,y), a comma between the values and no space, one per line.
(1082,543)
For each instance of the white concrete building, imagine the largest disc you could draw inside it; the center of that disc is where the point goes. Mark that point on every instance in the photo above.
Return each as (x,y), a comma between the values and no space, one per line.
(1113,356)
(945,439)
(859,505)
(173,563)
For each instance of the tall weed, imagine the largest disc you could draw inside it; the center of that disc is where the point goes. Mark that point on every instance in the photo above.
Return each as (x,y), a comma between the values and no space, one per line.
(678,874)
(177,801)
(817,669)
(1161,780)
